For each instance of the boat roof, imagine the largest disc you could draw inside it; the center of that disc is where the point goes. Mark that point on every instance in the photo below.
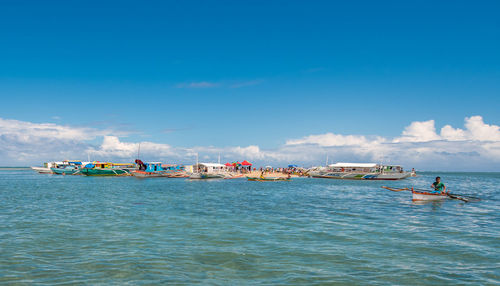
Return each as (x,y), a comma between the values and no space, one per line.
(212,164)
(354,165)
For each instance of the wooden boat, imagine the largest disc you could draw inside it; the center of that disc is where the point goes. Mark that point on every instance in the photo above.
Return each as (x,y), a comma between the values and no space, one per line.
(149,170)
(106,169)
(144,174)
(203,171)
(423,195)
(66,170)
(268,179)
(360,171)
(42,170)
(47,167)
(229,177)
(177,175)
(204,176)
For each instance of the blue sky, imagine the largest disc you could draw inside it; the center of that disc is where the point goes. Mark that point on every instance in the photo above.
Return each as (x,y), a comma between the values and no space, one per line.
(234,73)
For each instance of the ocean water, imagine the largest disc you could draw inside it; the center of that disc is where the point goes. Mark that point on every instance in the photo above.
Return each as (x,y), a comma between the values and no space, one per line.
(124,230)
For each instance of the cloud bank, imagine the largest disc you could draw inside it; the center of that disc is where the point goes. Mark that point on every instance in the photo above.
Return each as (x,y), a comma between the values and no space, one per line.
(476,146)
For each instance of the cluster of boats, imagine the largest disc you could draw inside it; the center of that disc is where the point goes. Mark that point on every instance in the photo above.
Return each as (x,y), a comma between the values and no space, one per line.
(202,171)
(96,168)
(346,171)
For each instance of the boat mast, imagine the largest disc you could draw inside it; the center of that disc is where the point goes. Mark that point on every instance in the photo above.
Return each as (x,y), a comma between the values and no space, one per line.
(139,151)
(326,160)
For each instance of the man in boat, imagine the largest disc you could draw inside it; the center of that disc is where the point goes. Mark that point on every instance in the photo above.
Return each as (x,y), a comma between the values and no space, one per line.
(438,186)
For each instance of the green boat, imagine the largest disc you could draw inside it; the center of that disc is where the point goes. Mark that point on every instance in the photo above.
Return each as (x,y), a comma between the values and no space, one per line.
(106,169)
(66,170)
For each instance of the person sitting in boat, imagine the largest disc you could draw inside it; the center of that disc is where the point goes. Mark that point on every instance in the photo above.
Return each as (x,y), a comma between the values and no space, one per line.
(438,186)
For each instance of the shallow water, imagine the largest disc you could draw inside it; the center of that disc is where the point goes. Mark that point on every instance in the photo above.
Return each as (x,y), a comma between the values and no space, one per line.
(98,230)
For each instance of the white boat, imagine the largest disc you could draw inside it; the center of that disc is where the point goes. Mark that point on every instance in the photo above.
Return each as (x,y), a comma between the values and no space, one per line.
(48,166)
(421,195)
(42,170)
(360,171)
(46,169)
(208,171)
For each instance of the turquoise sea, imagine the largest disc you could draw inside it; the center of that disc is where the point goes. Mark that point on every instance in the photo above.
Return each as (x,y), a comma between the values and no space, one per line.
(123,230)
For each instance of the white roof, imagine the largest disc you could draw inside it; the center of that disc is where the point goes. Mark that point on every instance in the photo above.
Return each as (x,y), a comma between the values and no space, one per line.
(212,165)
(353,165)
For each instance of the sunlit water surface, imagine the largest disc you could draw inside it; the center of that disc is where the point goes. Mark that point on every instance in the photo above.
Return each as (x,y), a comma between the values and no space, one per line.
(97,230)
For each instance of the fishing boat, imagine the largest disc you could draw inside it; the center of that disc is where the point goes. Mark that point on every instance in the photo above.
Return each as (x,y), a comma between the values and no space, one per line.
(67,167)
(424,195)
(107,169)
(269,179)
(203,176)
(175,171)
(233,176)
(66,170)
(46,169)
(48,166)
(149,170)
(203,171)
(360,171)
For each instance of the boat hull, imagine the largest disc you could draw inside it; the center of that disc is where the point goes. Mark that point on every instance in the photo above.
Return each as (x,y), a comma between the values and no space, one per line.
(64,171)
(143,174)
(104,172)
(358,176)
(206,176)
(42,170)
(268,179)
(426,196)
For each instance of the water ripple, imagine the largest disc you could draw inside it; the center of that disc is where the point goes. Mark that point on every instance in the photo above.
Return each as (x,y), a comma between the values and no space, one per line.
(84,230)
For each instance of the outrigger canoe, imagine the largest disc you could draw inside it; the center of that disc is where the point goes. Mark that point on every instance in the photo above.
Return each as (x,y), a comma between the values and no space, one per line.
(268,179)
(425,195)
(421,195)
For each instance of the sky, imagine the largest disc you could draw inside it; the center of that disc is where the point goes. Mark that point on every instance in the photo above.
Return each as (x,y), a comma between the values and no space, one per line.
(275,82)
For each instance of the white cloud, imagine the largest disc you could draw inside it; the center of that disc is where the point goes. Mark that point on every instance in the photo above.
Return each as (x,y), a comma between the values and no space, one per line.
(226,84)
(246,83)
(329,140)
(200,84)
(27,132)
(452,134)
(476,146)
(112,147)
(478,130)
(419,131)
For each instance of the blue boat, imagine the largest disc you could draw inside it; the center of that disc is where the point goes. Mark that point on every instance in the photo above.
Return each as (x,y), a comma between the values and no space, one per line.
(149,170)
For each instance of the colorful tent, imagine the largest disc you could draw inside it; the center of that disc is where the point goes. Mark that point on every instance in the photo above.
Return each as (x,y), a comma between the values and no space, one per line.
(228,164)
(246,163)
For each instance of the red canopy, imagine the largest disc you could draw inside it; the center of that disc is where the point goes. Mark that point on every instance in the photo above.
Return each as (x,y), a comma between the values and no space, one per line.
(228,164)
(246,163)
